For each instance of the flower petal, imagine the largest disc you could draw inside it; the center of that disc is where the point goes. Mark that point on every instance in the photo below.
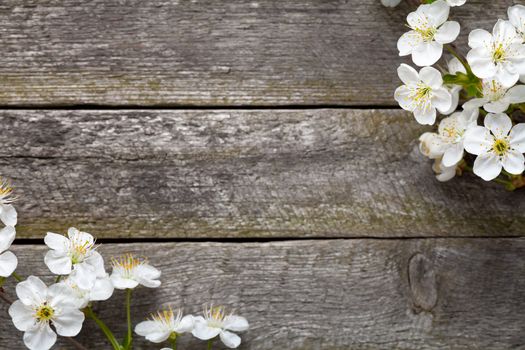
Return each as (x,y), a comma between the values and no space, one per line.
(236,323)
(504,32)
(516,94)
(8,264)
(231,340)
(478,140)
(427,53)
(479,38)
(407,42)
(147,276)
(474,103)
(517,137)
(499,106)
(425,116)
(60,295)
(499,124)
(86,275)
(22,316)
(56,242)
(447,33)
(437,12)
(441,99)
(119,282)
(455,66)
(7,236)
(186,324)
(102,289)
(407,74)
(69,322)
(431,77)
(514,162)
(32,291)
(58,262)
(8,215)
(481,63)
(453,155)
(403,96)
(487,166)
(40,337)
(431,145)
(203,332)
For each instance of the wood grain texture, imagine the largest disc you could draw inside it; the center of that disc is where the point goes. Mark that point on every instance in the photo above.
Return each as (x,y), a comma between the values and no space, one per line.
(216,53)
(271,173)
(337,294)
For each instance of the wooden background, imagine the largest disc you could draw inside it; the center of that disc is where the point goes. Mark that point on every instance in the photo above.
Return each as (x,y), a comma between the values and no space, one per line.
(253,150)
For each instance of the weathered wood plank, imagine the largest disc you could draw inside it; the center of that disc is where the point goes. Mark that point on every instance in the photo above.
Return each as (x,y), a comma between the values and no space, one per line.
(272,173)
(180,52)
(338,294)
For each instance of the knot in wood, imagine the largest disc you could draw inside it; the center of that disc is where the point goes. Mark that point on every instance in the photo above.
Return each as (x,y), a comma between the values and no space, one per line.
(422,282)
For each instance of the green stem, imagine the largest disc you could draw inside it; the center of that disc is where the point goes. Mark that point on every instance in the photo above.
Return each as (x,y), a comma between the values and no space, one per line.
(58,278)
(508,184)
(17,277)
(107,332)
(173,341)
(128,315)
(2,280)
(210,342)
(460,59)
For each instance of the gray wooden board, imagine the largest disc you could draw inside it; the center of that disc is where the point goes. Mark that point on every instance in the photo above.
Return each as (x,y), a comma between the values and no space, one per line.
(329,294)
(216,53)
(268,173)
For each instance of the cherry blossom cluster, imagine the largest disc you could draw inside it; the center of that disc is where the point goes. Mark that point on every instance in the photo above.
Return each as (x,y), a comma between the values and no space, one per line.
(486,135)
(44,311)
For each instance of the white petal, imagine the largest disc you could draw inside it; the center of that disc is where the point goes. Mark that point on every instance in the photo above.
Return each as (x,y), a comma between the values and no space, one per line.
(437,12)
(69,322)
(504,32)
(40,337)
(32,291)
(22,316)
(147,276)
(516,15)
(102,290)
(96,261)
(58,262)
(514,162)
(80,236)
(455,66)
(86,275)
(230,339)
(122,283)
(478,140)
(499,106)
(390,3)
(517,137)
(431,145)
(8,264)
(407,74)
(443,173)
(487,166)
(185,325)
(448,32)
(402,96)
(499,124)
(481,63)
(8,215)
(60,295)
(456,2)
(479,38)
(441,99)
(407,42)
(146,327)
(431,77)
(453,155)
(516,94)
(236,323)
(474,103)
(505,77)
(203,332)
(56,242)
(7,236)
(425,116)
(427,53)
(454,92)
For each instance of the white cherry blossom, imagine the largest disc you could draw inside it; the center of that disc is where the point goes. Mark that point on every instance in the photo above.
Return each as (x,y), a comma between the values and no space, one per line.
(8,260)
(8,213)
(39,307)
(422,93)
(165,324)
(129,272)
(500,55)
(497,98)
(443,173)
(429,31)
(217,323)
(102,289)
(497,145)
(454,66)
(516,15)
(76,252)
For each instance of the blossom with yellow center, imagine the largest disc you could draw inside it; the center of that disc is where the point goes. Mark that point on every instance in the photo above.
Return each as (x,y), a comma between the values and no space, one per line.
(129,272)
(165,324)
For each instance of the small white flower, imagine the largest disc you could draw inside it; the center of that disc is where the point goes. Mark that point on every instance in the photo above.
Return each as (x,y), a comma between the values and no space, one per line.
(8,213)
(74,253)
(517,19)
(430,30)
(448,144)
(129,272)
(456,2)
(497,145)
(390,3)
(500,55)
(422,93)
(454,67)
(8,260)
(216,323)
(102,289)
(496,98)
(165,324)
(443,173)
(39,307)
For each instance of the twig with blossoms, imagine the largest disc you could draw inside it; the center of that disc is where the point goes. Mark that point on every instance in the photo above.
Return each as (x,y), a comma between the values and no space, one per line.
(487,79)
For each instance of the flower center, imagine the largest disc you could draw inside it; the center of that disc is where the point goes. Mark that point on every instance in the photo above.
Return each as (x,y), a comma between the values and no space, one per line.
(498,53)
(494,91)
(501,147)
(215,316)
(127,263)
(167,317)
(79,249)
(427,33)
(6,192)
(44,313)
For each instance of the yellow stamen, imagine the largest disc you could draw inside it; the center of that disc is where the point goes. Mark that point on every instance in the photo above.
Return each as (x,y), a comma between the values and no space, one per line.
(501,147)
(44,313)
(127,262)
(6,192)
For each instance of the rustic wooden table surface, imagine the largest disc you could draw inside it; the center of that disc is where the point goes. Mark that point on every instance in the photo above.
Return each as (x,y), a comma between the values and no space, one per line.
(252,149)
